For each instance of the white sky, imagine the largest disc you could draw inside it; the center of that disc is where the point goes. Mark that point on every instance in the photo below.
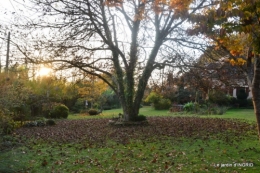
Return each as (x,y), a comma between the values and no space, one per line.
(7,7)
(11,12)
(5,10)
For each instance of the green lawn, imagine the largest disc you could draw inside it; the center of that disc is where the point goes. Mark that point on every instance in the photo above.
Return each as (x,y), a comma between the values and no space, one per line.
(245,114)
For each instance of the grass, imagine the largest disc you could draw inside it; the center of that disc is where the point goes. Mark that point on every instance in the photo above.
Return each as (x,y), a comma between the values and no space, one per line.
(147,111)
(244,114)
(229,151)
(169,155)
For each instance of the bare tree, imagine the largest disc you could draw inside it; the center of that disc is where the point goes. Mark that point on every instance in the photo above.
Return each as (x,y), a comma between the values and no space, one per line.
(121,42)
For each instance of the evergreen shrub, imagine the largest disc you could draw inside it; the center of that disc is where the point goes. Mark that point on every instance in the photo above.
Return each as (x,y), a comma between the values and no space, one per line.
(50,122)
(162,104)
(93,112)
(59,111)
(219,98)
(188,106)
(140,118)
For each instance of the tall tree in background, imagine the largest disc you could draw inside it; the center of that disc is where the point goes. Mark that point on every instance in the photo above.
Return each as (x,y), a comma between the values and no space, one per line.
(91,90)
(234,25)
(131,38)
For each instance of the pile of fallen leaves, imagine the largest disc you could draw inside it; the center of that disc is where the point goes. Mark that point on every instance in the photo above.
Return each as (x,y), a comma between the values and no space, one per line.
(98,131)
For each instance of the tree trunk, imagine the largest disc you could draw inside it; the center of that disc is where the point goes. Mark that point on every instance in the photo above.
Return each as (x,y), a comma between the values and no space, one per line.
(130,109)
(256,91)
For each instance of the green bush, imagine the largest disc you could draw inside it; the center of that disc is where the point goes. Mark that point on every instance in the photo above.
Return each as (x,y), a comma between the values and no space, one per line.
(250,103)
(140,118)
(6,124)
(205,109)
(220,111)
(50,122)
(188,106)
(162,104)
(41,123)
(153,97)
(214,109)
(20,112)
(78,106)
(192,107)
(59,111)
(30,124)
(219,98)
(158,101)
(93,112)
(233,101)
(7,127)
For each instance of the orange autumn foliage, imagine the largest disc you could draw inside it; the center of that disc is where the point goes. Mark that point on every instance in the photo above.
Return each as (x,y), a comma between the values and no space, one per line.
(238,61)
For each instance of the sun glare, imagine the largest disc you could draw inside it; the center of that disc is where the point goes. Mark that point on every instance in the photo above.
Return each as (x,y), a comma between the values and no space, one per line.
(44,71)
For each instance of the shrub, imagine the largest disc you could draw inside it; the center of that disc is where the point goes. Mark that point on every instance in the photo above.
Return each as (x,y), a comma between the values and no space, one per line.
(31,124)
(153,97)
(214,109)
(78,106)
(233,101)
(47,108)
(158,101)
(59,111)
(196,107)
(192,107)
(203,112)
(219,97)
(140,118)
(250,103)
(41,123)
(162,104)
(6,125)
(219,111)
(20,112)
(93,112)
(50,122)
(188,107)
(205,109)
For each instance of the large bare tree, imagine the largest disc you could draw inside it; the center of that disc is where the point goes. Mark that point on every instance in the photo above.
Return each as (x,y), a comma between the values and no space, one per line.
(121,42)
